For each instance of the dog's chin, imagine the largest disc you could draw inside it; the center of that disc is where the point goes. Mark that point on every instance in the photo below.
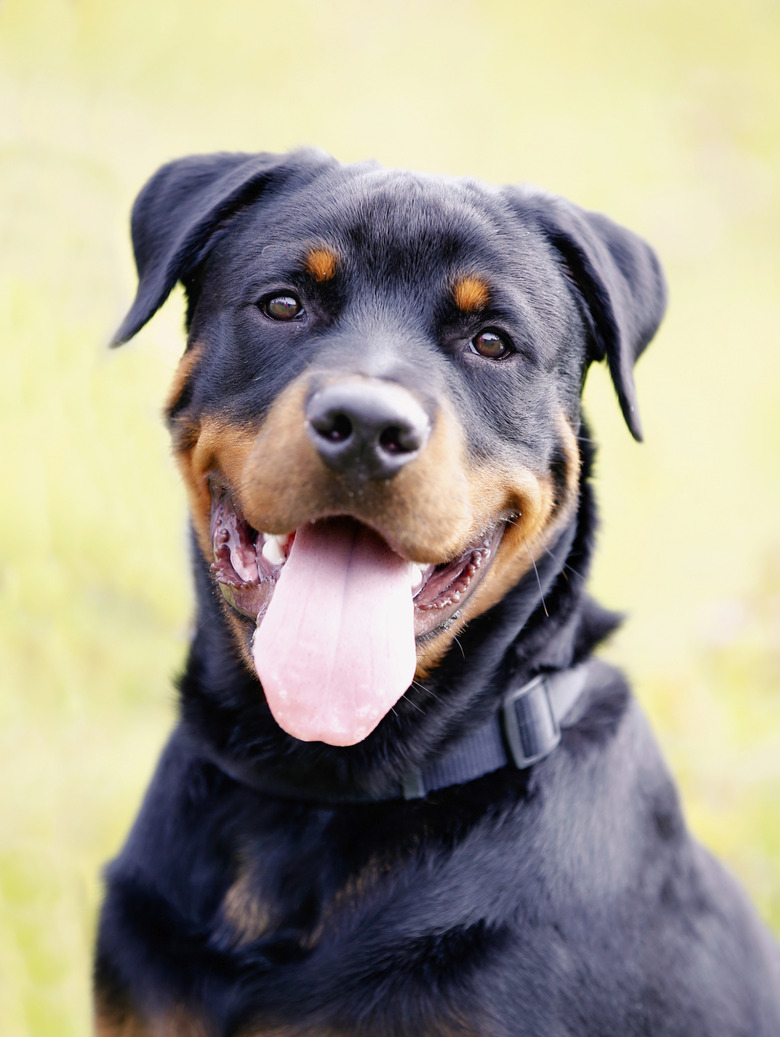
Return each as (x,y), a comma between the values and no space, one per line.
(332,604)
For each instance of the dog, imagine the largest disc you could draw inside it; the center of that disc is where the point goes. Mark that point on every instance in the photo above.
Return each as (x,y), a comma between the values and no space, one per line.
(403,797)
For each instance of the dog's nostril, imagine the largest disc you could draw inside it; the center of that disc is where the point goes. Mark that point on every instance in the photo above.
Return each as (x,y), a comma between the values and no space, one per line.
(335,427)
(397,440)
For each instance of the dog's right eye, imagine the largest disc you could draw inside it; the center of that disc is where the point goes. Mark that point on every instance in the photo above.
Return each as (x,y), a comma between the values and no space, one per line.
(281,307)
(491,345)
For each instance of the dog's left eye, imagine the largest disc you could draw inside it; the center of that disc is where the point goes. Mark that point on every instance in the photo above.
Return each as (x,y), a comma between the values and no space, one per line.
(281,307)
(491,344)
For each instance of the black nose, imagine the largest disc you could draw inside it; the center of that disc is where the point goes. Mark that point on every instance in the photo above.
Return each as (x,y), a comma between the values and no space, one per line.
(366,428)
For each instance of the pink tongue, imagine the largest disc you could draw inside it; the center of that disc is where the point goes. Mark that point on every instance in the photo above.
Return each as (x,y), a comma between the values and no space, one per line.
(335,649)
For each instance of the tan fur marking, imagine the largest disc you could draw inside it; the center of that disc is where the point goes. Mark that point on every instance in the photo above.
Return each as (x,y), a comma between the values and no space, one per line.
(321,263)
(496,495)
(471,294)
(356,888)
(187,365)
(243,910)
(216,445)
(107,1025)
(539,520)
(175,1022)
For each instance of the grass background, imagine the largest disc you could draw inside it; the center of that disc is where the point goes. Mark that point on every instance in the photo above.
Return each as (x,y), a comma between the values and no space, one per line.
(663,113)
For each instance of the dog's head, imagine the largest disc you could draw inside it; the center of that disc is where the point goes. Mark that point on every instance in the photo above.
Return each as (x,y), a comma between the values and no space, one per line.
(377,414)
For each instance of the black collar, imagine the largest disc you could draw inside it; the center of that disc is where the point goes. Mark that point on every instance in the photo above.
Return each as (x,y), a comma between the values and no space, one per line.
(526,729)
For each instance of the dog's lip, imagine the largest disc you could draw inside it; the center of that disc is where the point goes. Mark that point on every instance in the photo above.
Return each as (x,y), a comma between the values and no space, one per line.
(247,563)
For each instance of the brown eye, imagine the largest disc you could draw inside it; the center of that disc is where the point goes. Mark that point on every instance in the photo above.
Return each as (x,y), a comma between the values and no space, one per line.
(491,345)
(281,307)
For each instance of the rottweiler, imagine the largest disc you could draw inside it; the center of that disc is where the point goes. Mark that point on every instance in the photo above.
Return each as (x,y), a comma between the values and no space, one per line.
(402,798)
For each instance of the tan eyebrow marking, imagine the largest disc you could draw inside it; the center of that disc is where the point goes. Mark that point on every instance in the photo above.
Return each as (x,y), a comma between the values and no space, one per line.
(321,263)
(470,293)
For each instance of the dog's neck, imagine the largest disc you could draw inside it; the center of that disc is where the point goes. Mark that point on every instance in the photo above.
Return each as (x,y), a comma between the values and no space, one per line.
(545,624)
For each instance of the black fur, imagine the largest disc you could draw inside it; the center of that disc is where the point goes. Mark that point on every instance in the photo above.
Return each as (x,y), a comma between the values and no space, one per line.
(568,899)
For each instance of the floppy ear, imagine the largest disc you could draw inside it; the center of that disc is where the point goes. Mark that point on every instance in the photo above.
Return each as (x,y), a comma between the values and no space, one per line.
(176,213)
(621,283)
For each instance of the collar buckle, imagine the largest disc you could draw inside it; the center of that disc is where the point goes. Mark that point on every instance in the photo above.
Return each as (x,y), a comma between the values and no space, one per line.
(529,723)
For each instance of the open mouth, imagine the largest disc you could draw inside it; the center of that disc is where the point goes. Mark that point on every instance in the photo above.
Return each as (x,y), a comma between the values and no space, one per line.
(247,565)
(337,614)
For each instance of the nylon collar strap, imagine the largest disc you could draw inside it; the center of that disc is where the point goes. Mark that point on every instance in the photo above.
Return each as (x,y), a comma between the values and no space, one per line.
(526,729)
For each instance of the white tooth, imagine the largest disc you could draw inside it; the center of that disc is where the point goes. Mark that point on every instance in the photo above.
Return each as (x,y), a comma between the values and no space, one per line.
(415,576)
(272,549)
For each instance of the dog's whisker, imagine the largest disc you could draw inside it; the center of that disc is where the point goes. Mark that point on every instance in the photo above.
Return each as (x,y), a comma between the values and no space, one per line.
(539,582)
(564,565)
(425,690)
(456,639)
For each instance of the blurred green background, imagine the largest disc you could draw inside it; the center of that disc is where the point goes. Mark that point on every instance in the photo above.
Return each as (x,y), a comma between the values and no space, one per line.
(663,113)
